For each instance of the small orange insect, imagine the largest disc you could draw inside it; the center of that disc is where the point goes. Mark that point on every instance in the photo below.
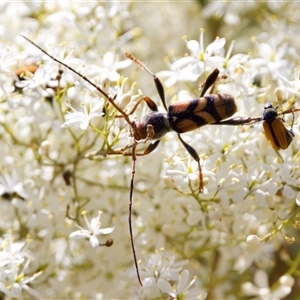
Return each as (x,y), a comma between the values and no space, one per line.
(277,134)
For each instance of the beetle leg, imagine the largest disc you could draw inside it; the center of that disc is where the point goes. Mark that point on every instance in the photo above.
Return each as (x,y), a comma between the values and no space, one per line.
(239,121)
(147,151)
(196,157)
(210,80)
(158,84)
(292,124)
(150,103)
(248,120)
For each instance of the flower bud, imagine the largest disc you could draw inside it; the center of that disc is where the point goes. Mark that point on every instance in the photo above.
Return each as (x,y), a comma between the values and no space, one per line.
(253,240)
(45,147)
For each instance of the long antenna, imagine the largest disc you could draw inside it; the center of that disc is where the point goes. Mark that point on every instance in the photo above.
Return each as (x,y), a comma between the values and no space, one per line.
(111,100)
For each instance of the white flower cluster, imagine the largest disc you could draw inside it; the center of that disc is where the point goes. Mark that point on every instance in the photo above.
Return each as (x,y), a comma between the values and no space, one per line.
(14,274)
(63,165)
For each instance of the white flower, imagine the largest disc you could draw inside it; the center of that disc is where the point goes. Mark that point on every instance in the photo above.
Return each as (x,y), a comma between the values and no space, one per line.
(283,177)
(189,68)
(262,290)
(272,58)
(181,290)
(161,265)
(40,79)
(253,240)
(92,231)
(11,186)
(290,88)
(111,63)
(84,118)
(16,281)
(6,61)
(11,252)
(14,262)
(183,69)
(211,54)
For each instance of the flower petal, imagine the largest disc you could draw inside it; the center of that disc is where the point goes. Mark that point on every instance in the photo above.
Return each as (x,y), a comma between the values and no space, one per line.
(80,234)
(94,241)
(166,287)
(105,230)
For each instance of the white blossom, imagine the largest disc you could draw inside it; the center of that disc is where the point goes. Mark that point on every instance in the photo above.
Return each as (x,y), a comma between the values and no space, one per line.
(182,289)
(237,227)
(262,290)
(160,265)
(91,111)
(93,230)
(14,262)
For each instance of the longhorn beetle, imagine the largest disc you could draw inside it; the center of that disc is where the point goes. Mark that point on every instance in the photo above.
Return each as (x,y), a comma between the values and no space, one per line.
(181,117)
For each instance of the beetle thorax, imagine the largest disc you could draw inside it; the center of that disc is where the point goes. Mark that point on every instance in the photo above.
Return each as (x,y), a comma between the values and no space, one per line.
(270,113)
(158,122)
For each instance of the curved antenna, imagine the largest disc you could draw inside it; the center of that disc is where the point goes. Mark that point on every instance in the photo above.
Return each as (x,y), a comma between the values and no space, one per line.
(158,84)
(111,100)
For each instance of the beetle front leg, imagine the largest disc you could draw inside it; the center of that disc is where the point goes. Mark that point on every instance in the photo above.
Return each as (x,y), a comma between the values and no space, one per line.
(147,151)
(150,103)
(196,157)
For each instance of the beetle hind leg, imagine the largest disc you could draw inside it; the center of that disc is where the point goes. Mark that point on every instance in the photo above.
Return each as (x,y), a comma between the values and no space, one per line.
(196,157)
(210,81)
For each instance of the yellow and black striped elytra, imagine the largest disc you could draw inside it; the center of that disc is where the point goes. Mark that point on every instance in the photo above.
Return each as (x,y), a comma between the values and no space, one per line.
(186,115)
(277,134)
(190,115)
